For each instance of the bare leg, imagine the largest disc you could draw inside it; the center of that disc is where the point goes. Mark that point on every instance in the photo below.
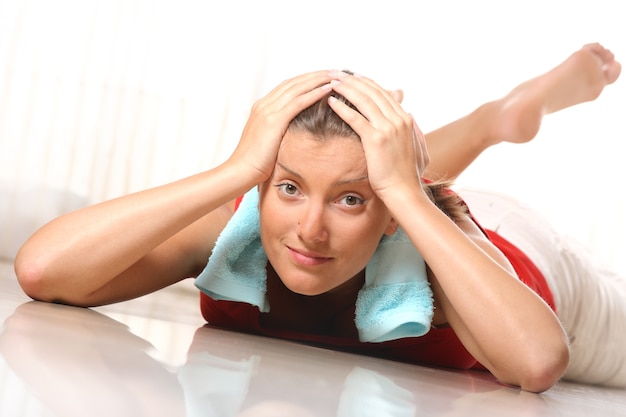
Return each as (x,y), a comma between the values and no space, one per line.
(517,116)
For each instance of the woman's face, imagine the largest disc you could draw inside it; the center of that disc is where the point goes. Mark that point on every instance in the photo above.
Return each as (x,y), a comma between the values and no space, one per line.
(320,220)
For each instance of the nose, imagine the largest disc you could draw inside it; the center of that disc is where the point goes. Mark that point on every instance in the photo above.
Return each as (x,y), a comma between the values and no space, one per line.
(311,223)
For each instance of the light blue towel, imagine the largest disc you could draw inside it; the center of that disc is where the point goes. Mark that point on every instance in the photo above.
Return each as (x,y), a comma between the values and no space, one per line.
(395,302)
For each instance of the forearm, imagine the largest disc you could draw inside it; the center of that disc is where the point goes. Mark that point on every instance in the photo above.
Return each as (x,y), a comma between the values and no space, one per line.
(104,240)
(506,326)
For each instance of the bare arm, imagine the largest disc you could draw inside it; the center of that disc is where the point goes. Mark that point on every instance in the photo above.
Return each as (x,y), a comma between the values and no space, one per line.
(135,244)
(501,322)
(129,246)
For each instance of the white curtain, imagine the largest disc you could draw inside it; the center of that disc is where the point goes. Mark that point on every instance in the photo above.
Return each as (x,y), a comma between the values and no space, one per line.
(99,98)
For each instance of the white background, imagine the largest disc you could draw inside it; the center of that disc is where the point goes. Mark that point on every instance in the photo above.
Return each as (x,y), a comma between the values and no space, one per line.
(105,97)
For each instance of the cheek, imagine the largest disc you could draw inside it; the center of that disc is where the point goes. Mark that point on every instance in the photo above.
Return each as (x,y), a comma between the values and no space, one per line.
(366,247)
(358,240)
(274,222)
(269,225)
(366,237)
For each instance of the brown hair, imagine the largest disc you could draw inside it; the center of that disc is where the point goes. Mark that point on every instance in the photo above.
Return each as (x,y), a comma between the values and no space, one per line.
(322,122)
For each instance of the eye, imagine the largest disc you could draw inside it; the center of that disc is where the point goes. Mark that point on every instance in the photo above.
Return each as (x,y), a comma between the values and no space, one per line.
(287,189)
(351,200)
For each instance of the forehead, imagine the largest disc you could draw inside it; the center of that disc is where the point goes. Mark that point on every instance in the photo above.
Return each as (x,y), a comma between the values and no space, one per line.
(329,145)
(335,154)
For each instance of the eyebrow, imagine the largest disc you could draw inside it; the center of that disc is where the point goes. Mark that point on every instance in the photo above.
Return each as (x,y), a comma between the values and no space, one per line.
(336,183)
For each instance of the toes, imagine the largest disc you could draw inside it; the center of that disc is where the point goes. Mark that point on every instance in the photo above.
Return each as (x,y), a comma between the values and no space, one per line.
(610,67)
(612,71)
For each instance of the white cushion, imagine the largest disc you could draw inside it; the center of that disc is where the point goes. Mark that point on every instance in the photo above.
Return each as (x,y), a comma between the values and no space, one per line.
(24,209)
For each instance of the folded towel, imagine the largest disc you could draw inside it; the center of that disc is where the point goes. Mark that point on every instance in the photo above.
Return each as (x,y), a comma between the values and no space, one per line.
(395,302)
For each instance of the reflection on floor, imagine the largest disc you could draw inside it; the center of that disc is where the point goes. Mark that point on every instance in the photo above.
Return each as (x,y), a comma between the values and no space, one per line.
(154,357)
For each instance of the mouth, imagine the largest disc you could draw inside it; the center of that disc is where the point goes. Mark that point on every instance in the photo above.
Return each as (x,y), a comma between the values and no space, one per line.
(306,258)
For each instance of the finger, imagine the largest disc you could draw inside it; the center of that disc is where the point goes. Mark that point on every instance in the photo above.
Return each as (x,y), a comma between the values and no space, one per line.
(300,84)
(398,95)
(391,98)
(421,151)
(352,117)
(375,103)
(294,95)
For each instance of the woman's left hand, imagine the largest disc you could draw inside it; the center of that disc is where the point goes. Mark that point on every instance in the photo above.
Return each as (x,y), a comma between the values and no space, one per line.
(394,146)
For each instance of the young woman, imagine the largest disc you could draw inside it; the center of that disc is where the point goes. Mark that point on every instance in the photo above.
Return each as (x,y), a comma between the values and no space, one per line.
(339,235)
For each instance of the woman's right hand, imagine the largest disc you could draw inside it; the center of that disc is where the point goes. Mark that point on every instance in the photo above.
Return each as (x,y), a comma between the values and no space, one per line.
(270,118)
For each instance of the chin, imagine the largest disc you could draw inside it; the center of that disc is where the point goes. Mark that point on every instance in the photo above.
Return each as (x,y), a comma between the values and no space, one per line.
(302,289)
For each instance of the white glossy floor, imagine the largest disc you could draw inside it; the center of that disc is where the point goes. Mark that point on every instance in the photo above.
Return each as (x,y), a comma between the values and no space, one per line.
(153,357)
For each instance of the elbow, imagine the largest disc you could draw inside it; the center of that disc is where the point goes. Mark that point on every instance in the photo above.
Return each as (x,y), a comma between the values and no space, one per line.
(30,271)
(40,278)
(29,275)
(545,369)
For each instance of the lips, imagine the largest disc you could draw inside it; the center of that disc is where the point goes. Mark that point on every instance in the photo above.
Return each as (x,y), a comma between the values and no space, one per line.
(307,258)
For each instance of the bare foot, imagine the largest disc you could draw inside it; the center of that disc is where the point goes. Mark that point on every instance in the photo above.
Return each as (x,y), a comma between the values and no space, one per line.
(578,79)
